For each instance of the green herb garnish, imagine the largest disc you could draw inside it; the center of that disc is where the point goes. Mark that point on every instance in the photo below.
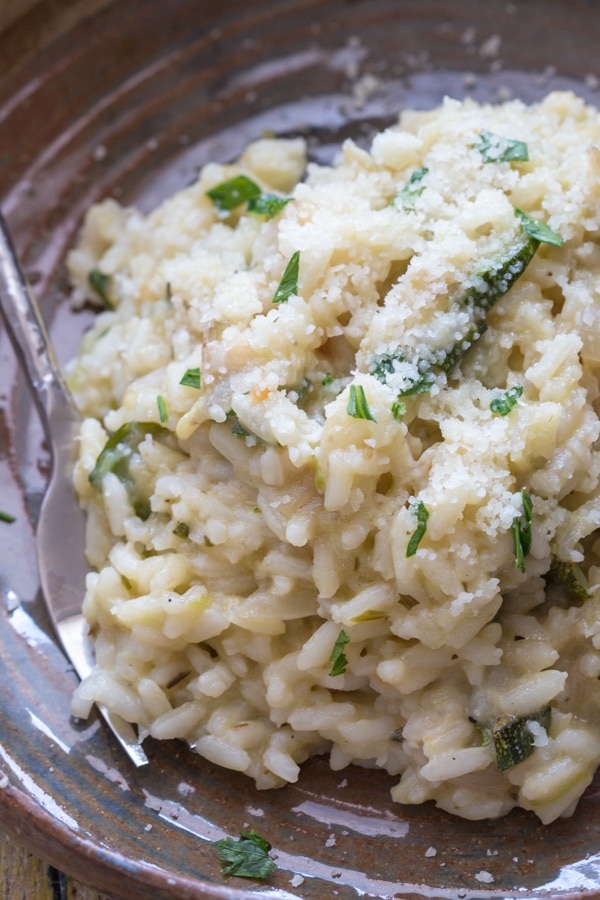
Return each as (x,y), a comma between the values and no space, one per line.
(421,513)
(267,205)
(501,406)
(413,188)
(385,364)
(357,406)
(398,409)
(191,378)
(247,857)
(162,409)
(117,456)
(521,530)
(338,659)
(6,517)
(289,280)
(182,529)
(496,148)
(236,426)
(539,231)
(101,284)
(233,192)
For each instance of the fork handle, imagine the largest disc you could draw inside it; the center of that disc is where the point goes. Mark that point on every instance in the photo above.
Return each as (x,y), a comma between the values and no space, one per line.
(27,332)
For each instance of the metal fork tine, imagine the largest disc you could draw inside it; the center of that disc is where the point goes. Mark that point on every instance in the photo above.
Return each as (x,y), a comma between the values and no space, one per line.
(61,527)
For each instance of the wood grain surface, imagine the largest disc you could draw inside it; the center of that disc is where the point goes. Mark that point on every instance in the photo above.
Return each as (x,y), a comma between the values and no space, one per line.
(23,876)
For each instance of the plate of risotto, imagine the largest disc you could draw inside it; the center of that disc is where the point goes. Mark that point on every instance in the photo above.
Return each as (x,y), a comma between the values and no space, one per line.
(324,281)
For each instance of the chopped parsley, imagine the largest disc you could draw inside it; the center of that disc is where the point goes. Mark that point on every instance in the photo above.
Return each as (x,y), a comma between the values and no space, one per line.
(168,292)
(539,231)
(182,529)
(239,190)
(338,659)
(421,513)
(232,193)
(236,426)
(6,517)
(501,406)
(357,406)
(413,188)
(496,148)
(289,280)
(247,857)
(398,409)
(163,415)
(267,205)
(384,365)
(117,456)
(521,530)
(191,378)
(101,284)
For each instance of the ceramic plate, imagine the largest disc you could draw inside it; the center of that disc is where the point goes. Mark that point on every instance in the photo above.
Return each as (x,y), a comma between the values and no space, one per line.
(129,99)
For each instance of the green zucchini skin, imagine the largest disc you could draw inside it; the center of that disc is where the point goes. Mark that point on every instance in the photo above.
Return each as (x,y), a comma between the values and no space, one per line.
(483,291)
(512,740)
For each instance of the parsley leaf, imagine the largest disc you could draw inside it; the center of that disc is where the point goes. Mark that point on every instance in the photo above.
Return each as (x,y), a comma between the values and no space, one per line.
(357,406)
(267,205)
(162,409)
(247,857)
(232,193)
(236,426)
(182,529)
(538,230)
(117,456)
(497,148)
(191,378)
(521,530)
(420,511)
(384,364)
(411,190)
(6,517)
(101,283)
(398,409)
(289,280)
(338,659)
(501,406)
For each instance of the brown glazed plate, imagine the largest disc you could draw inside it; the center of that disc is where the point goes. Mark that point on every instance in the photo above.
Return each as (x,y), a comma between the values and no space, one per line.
(129,99)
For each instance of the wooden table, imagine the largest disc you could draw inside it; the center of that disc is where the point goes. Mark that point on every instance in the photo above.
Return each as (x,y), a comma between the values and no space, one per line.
(25,877)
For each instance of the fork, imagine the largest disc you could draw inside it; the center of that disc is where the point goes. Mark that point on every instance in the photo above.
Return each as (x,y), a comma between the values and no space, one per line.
(60,533)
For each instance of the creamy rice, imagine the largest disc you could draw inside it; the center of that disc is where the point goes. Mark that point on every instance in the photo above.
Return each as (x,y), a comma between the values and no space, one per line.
(365,524)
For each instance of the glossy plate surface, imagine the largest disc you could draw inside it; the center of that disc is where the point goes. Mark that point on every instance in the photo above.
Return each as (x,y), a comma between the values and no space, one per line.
(128,99)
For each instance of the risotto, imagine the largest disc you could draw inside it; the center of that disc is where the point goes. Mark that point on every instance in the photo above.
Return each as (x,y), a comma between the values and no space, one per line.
(340,460)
